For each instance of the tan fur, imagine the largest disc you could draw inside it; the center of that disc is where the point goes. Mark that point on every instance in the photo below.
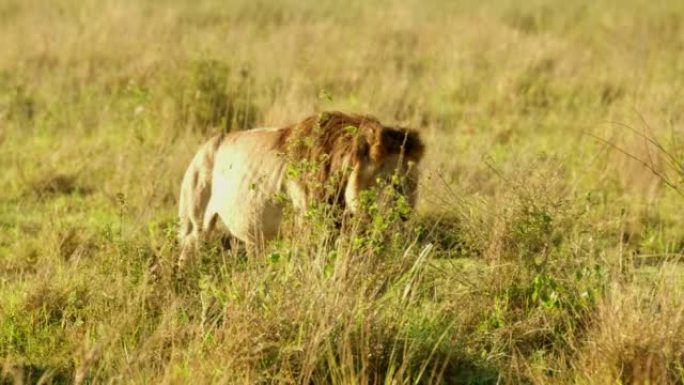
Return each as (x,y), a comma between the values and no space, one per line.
(332,156)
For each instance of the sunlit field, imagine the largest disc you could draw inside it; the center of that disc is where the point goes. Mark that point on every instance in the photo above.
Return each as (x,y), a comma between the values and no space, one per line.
(546,246)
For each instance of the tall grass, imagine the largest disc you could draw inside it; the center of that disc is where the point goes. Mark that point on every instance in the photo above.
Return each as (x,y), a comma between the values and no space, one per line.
(546,247)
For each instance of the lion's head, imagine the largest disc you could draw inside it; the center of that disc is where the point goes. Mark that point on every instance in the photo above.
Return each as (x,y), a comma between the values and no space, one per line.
(336,156)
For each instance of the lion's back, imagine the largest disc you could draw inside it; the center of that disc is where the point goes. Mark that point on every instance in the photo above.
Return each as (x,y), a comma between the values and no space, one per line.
(248,174)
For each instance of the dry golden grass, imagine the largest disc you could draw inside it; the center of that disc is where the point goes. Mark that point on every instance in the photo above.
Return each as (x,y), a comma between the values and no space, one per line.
(546,247)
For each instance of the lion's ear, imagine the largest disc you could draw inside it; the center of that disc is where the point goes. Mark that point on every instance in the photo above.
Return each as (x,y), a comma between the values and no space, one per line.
(377,149)
(369,144)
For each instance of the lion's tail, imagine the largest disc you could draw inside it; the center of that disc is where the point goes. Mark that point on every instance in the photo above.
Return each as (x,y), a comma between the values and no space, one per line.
(195,193)
(185,202)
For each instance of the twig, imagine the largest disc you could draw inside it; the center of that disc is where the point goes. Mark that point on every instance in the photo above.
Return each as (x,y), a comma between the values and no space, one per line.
(640,161)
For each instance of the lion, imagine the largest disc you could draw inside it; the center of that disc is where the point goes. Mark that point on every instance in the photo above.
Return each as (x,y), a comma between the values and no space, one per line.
(245,178)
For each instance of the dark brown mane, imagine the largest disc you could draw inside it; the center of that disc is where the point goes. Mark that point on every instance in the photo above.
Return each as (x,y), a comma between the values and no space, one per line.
(326,132)
(326,139)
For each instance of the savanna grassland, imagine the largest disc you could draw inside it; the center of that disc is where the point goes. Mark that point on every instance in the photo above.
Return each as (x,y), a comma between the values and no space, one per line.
(546,247)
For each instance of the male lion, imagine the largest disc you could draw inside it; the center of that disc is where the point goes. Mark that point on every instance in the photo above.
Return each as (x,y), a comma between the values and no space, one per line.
(244,177)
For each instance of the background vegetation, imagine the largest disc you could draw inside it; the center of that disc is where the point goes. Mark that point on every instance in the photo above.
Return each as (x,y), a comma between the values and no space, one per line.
(547,244)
